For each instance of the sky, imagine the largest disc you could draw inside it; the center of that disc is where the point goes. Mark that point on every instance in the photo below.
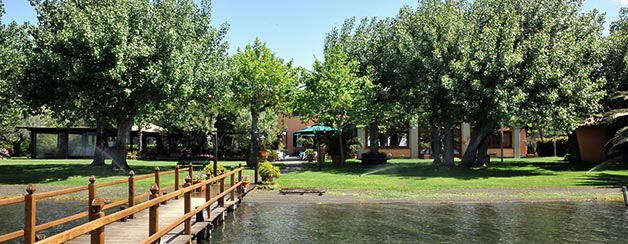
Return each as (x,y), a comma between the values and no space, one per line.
(295,29)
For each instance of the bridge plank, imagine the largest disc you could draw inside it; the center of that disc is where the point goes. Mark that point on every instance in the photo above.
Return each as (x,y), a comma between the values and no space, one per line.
(136,230)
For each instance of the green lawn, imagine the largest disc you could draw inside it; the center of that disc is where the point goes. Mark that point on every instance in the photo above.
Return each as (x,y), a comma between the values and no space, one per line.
(412,177)
(401,178)
(75,172)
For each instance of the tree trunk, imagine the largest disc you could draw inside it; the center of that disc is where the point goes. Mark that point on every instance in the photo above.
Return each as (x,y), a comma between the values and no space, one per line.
(448,152)
(373,137)
(436,143)
(253,151)
(342,147)
(473,155)
(99,155)
(482,155)
(122,141)
(17,147)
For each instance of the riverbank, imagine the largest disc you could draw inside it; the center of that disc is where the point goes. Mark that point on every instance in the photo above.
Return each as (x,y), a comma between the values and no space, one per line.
(446,196)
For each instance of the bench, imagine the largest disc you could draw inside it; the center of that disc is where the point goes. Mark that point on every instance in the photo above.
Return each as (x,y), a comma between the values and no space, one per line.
(302,191)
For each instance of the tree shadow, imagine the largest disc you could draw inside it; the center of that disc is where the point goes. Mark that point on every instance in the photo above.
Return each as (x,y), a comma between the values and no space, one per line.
(604,180)
(425,170)
(17,174)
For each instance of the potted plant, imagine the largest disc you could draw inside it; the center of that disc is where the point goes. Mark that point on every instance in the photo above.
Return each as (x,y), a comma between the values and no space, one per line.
(268,172)
(262,156)
(354,149)
(198,178)
(246,180)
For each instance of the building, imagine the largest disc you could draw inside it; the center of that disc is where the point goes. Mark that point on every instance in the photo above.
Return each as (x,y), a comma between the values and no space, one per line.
(403,141)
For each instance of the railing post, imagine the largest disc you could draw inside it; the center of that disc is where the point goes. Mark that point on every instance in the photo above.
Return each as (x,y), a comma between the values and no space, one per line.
(176,180)
(221,201)
(131,191)
(232,179)
(157,179)
(91,191)
(30,219)
(97,236)
(208,197)
(187,207)
(241,188)
(153,214)
(191,171)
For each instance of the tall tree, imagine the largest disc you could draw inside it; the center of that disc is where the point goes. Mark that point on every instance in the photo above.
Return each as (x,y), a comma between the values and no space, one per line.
(334,94)
(528,61)
(261,82)
(372,44)
(431,39)
(117,60)
(14,44)
(616,69)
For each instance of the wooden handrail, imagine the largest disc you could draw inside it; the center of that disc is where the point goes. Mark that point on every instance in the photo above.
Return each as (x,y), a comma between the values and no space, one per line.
(100,222)
(35,196)
(12,200)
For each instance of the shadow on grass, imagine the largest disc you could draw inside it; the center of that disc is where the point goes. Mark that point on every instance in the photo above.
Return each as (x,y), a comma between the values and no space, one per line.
(46,173)
(510,168)
(604,180)
(426,170)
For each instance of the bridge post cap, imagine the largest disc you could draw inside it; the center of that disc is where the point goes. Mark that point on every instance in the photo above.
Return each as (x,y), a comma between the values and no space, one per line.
(231,168)
(188,179)
(154,188)
(30,188)
(156,168)
(176,166)
(92,179)
(131,173)
(97,204)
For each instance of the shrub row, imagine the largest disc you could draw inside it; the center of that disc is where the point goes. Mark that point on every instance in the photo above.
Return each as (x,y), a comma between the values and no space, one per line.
(545,147)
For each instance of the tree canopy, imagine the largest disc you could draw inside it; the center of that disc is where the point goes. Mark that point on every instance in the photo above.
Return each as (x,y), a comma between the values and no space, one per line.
(14,43)
(334,94)
(115,61)
(262,82)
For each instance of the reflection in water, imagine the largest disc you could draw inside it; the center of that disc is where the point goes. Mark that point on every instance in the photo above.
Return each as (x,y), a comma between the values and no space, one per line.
(12,216)
(565,222)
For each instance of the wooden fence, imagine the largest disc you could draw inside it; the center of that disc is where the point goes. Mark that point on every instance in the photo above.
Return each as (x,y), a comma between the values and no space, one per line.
(96,206)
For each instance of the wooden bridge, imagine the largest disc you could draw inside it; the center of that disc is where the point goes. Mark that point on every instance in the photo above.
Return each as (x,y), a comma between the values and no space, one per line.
(161,218)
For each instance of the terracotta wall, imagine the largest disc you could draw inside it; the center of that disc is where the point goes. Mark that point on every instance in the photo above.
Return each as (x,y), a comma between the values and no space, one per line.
(510,152)
(591,140)
(292,125)
(396,152)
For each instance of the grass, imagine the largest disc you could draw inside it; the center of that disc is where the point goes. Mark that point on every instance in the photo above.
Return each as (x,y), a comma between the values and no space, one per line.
(409,178)
(76,172)
(401,178)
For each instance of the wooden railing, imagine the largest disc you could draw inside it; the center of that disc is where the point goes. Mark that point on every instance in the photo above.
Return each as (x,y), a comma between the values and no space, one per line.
(96,206)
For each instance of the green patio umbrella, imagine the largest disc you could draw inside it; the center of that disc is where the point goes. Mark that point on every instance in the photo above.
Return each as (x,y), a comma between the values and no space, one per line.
(312,130)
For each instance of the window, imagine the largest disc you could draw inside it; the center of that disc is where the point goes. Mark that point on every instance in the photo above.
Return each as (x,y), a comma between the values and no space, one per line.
(395,136)
(494,140)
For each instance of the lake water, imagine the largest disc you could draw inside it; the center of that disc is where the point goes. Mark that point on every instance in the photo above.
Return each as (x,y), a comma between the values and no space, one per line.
(563,222)
(554,222)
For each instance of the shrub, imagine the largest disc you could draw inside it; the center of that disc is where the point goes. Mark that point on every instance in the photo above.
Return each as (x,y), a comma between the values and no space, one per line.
(272,156)
(545,147)
(268,171)
(209,169)
(310,155)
